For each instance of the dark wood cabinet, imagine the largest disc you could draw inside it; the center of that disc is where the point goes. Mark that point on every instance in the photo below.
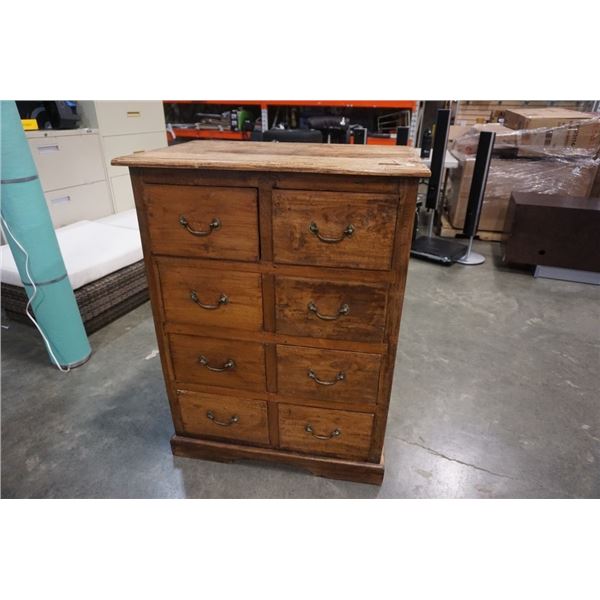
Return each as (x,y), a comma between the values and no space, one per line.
(277,276)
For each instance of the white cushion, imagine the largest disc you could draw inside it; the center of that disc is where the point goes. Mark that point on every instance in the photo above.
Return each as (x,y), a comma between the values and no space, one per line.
(91,250)
(127,219)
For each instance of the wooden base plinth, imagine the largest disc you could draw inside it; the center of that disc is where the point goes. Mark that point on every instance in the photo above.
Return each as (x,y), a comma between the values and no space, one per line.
(334,468)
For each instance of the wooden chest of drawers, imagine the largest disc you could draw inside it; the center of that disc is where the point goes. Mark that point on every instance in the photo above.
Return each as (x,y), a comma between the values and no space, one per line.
(276,277)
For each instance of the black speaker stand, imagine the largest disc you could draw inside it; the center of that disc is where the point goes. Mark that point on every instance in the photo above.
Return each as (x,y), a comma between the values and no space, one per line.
(435,249)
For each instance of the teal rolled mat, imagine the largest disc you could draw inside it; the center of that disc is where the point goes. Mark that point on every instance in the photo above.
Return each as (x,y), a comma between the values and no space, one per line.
(29,231)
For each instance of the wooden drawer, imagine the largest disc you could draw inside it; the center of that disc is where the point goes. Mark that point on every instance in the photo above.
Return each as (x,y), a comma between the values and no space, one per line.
(91,201)
(344,311)
(224,417)
(200,296)
(334,375)
(67,161)
(180,218)
(129,116)
(323,431)
(240,364)
(334,229)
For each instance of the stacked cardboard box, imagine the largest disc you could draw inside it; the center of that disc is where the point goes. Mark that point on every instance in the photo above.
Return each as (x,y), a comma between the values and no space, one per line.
(562,159)
(545,130)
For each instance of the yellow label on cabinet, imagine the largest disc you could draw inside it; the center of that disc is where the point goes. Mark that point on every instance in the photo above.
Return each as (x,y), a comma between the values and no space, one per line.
(29,124)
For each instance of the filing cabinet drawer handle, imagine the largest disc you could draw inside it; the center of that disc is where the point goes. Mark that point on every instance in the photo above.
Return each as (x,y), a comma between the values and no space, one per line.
(212,226)
(228,365)
(314,229)
(232,420)
(339,377)
(222,300)
(335,433)
(343,310)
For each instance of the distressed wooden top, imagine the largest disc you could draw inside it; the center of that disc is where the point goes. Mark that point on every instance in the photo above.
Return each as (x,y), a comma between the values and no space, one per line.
(340,159)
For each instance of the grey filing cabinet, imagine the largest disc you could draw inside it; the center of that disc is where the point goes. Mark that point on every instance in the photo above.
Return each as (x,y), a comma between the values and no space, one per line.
(125,127)
(70,165)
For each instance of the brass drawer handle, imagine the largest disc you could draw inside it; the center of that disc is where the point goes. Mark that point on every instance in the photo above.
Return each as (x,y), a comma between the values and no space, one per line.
(222,300)
(228,365)
(343,310)
(232,420)
(339,377)
(335,433)
(213,226)
(314,229)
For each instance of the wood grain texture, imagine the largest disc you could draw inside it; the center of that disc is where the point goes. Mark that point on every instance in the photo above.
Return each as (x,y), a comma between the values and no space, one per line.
(354,430)
(365,320)
(344,159)
(372,217)
(277,355)
(266,337)
(359,381)
(321,466)
(267,267)
(243,307)
(236,419)
(335,183)
(249,358)
(235,208)
(154,288)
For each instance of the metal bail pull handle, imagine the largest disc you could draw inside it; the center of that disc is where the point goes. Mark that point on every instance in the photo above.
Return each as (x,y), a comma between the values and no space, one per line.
(213,226)
(223,299)
(232,420)
(314,229)
(343,310)
(339,377)
(335,433)
(228,365)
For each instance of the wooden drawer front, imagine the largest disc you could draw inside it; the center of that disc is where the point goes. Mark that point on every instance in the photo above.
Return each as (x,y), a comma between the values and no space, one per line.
(224,417)
(232,211)
(305,225)
(363,321)
(323,431)
(328,374)
(211,298)
(241,364)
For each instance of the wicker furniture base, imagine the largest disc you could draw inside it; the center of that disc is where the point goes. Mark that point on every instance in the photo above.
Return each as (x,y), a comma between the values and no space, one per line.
(100,302)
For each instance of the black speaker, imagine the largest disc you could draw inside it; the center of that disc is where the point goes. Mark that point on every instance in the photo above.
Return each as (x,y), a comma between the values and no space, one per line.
(427,247)
(480,175)
(402,136)
(360,135)
(440,142)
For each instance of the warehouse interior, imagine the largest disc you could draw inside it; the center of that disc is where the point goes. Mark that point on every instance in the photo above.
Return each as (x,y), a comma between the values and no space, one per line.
(299,300)
(495,388)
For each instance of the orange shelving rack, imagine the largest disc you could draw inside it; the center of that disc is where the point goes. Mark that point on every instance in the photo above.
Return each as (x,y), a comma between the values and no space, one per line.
(264,105)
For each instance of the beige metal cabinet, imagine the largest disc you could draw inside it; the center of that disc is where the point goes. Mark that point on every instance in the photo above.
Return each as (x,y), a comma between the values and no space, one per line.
(118,145)
(130,116)
(122,192)
(72,173)
(79,203)
(125,127)
(66,158)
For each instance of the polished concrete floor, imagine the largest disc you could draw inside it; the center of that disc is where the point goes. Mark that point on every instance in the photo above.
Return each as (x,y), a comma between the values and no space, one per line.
(496,395)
